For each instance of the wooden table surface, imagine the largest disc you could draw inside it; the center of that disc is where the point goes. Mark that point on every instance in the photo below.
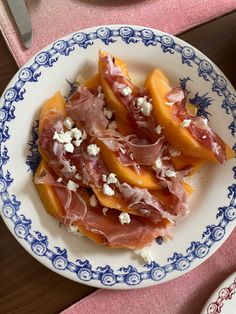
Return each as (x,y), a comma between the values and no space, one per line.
(25,285)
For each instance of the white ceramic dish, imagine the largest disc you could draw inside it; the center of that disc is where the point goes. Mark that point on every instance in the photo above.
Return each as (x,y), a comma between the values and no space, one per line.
(223,299)
(213,212)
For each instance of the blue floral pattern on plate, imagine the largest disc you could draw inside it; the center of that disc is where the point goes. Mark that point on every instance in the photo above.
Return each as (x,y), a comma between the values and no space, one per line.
(38,242)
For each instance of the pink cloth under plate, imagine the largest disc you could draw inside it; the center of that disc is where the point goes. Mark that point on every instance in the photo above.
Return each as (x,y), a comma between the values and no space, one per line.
(184,295)
(52,19)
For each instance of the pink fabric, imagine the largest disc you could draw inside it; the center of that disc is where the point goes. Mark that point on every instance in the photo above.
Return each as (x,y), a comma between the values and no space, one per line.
(52,19)
(184,295)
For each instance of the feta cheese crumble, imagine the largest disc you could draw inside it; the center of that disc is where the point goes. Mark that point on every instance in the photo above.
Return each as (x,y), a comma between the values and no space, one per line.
(170,173)
(145,254)
(158,163)
(112,178)
(107,190)
(62,137)
(93,150)
(69,148)
(185,123)
(144,105)
(93,201)
(72,185)
(146,109)
(158,129)
(126,91)
(124,218)
(104,211)
(68,123)
(59,180)
(76,133)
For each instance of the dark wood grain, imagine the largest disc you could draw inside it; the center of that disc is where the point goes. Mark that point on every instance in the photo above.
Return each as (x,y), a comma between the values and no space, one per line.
(25,285)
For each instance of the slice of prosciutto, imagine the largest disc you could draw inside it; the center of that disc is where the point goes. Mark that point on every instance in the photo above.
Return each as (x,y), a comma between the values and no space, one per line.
(198,127)
(103,229)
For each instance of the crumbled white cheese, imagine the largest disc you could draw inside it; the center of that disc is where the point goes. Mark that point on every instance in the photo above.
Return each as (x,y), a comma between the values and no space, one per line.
(69,148)
(93,150)
(140,101)
(170,173)
(78,176)
(112,178)
(124,218)
(158,163)
(93,201)
(72,185)
(76,133)
(204,136)
(144,105)
(62,137)
(145,254)
(173,151)
(59,179)
(104,211)
(146,109)
(112,125)
(169,104)
(126,91)
(107,113)
(77,143)
(107,190)
(158,129)
(185,123)
(68,123)
(104,178)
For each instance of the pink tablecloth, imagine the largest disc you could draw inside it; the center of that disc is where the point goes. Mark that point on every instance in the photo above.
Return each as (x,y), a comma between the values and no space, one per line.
(184,295)
(51,19)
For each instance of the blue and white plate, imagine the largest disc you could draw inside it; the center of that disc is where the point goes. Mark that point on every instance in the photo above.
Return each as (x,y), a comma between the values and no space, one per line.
(213,211)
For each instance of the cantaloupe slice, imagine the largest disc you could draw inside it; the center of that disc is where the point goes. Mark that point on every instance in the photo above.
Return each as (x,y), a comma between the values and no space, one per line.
(146,179)
(158,86)
(52,107)
(113,101)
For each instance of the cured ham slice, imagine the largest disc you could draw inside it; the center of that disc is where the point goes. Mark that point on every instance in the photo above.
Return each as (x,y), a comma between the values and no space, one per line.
(103,229)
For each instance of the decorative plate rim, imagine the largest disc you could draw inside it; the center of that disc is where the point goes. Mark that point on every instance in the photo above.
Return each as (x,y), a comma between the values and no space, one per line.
(37,244)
